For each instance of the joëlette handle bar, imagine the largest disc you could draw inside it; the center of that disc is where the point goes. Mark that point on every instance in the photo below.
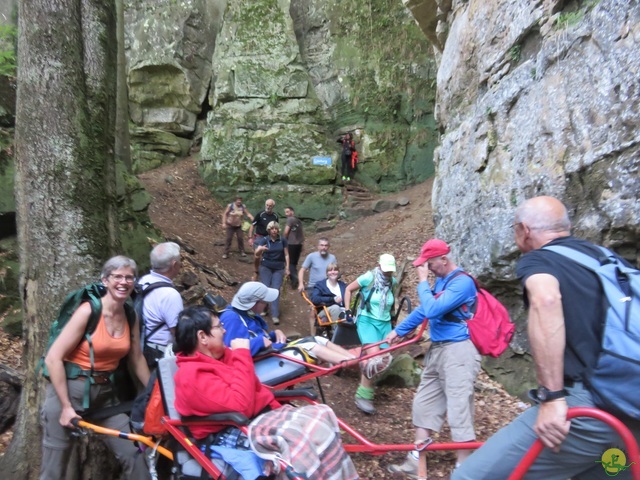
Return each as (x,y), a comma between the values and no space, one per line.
(626,435)
(148,441)
(317,371)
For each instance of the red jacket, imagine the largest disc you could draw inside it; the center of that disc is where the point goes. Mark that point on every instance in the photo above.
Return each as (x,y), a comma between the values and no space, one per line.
(205,385)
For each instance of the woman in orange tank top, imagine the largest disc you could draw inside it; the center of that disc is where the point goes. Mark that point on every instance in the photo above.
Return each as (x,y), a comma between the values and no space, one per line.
(112,340)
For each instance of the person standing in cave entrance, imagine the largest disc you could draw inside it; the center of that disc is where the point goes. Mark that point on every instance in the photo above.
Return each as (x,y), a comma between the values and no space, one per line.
(348,147)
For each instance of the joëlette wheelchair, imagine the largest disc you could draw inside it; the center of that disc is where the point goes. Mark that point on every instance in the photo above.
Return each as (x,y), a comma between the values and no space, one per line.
(280,373)
(190,462)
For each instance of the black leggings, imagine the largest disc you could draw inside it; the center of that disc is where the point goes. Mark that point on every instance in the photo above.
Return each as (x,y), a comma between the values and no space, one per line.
(346,165)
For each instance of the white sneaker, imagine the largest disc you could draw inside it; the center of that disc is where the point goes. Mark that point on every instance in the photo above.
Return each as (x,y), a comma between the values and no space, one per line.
(409,467)
(275,320)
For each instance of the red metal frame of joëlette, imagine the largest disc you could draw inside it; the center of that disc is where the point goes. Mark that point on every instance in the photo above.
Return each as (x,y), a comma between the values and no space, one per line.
(366,446)
(319,371)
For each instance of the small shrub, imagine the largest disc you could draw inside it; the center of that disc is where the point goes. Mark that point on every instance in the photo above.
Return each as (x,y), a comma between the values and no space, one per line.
(515,53)
(8,38)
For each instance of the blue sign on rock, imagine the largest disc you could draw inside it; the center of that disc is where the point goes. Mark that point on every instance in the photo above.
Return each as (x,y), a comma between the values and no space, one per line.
(321,160)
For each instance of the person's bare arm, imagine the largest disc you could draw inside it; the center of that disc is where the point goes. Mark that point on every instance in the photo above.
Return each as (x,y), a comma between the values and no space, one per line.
(352,287)
(251,234)
(257,258)
(67,341)
(286,262)
(136,359)
(285,234)
(301,279)
(224,216)
(547,337)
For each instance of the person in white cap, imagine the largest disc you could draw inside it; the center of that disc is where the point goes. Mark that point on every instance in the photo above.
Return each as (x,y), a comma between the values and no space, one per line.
(242,320)
(373,322)
(452,363)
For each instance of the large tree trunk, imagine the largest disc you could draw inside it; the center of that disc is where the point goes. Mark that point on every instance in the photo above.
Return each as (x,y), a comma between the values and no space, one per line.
(64,179)
(123,150)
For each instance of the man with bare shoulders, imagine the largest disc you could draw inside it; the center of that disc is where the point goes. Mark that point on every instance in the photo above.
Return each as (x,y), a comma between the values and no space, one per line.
(562,297)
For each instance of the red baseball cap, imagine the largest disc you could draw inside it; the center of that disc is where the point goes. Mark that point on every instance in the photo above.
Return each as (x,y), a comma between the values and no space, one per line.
(432,248)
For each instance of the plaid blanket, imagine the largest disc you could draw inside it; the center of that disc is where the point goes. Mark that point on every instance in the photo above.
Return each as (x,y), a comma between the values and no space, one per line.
(308,438)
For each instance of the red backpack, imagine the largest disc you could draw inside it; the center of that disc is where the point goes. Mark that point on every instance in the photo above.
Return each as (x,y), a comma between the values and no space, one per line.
(490,327)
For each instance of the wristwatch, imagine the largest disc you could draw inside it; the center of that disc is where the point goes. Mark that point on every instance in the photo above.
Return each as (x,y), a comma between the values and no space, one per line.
(542,394)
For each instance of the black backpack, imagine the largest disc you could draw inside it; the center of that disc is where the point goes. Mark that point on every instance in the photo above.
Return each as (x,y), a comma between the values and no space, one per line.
(141,290)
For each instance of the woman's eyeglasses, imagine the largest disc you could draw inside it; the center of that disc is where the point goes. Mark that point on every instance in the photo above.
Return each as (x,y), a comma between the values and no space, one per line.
(126,278)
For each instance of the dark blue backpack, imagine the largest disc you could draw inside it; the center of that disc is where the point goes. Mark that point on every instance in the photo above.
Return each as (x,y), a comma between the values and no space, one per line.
(617,370)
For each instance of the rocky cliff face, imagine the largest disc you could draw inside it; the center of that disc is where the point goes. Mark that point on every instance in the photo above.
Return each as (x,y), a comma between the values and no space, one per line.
(284,79)
(534,97)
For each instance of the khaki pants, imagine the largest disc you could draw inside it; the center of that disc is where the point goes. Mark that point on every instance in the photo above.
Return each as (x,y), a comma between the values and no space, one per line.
(57,441)
(446,387)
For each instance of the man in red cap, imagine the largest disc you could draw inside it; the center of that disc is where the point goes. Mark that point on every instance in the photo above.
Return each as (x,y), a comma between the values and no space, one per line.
(452,363)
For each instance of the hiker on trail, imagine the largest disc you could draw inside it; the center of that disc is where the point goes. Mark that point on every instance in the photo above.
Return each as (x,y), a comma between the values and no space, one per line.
(161,305)
(567,306)
(232,219)
(373,321)
(243,320)
(261,220)
(294,234)
(271,261)
(112,340)
(317,263)
(452,363)
(348,147)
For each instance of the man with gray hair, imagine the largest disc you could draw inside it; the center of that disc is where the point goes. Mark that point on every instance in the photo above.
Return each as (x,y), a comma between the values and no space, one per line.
(566,311)
(161,302)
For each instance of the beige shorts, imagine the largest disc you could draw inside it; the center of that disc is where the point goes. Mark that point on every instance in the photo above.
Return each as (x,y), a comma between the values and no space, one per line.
(446,387)
(306,343)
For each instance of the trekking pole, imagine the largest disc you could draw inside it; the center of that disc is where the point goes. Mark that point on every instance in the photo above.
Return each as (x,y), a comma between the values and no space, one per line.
(148,441)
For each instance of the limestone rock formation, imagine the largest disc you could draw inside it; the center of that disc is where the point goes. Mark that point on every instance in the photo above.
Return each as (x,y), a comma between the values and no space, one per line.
(534,98)
(169,50)
(285,79)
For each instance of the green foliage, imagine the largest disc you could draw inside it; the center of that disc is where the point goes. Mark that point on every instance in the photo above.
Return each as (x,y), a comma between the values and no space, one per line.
(6,148)
(386,59)
(515,53)
(569,19)
(8,39)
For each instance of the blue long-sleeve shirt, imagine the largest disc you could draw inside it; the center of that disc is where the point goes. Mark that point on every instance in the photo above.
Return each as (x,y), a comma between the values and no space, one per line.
(239,324)
(460,290)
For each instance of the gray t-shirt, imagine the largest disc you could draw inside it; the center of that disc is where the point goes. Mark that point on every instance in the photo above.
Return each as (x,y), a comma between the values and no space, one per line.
(296,234)
(317,266)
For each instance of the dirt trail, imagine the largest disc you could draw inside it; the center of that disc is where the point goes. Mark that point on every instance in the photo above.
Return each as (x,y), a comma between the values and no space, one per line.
(183,207)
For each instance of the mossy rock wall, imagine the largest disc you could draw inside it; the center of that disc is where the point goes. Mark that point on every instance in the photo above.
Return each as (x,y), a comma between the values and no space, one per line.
(290,77)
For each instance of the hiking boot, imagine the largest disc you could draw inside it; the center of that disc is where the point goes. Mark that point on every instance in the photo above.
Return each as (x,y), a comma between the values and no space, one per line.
(225,255)
(344,178)
(242,254)
(275,320)
(348,179)
(365,405)
(408,468)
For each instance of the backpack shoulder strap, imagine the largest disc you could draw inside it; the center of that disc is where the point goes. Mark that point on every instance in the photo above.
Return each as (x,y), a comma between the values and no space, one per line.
(582,258)
(93,294)
(449,316)
(143,292)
